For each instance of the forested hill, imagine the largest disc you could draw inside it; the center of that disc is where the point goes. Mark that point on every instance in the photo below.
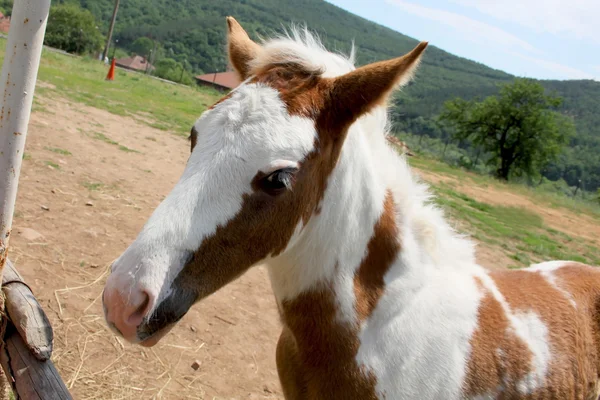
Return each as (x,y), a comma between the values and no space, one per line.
(194,30)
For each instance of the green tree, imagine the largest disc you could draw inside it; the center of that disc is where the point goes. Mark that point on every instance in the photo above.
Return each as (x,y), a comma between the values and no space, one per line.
(73,29)
(142,46)
(167,68)
(519,128)
(6,7)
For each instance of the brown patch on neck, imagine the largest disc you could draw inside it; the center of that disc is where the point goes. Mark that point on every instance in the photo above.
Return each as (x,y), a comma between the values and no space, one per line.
(382,250)
(320,348)
(316,353)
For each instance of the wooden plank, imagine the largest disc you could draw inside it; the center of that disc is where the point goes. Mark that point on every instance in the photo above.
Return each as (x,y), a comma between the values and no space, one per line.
(26,314)
(32,379)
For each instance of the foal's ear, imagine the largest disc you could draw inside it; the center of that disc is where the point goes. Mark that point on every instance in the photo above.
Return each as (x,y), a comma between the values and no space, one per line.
(357,92)
(242,50)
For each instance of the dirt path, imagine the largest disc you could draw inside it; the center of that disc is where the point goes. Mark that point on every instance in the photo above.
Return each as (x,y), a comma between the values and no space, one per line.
(97,199)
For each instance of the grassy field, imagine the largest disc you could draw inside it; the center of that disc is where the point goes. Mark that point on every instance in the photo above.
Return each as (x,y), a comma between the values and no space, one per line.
(519,232)
(158,104)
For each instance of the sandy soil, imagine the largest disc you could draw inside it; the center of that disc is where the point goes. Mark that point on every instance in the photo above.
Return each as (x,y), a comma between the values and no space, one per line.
(86,212)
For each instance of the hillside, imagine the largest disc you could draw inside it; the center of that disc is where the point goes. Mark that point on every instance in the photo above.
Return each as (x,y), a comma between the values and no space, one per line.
(194,31)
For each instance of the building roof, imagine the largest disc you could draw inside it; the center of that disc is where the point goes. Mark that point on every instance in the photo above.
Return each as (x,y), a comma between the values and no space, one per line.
(227,79)
(4,23)
(137,63)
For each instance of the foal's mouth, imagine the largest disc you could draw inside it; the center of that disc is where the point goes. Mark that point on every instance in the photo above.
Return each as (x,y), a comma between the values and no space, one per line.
(165,317)
(153,339)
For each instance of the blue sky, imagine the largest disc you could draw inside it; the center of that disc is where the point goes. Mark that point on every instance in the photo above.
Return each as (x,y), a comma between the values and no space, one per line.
(546,39)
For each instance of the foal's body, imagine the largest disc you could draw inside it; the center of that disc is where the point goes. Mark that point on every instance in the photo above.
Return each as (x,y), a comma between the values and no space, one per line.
(378,296)
(464,341)
(400,309)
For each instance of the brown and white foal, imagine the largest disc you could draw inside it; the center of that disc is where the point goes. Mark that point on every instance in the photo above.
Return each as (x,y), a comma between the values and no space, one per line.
(378,296)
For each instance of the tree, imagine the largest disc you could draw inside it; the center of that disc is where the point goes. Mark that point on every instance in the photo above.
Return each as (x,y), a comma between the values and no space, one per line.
(520,129)
(6,7)
(142,46)
(167,68)
(72,29)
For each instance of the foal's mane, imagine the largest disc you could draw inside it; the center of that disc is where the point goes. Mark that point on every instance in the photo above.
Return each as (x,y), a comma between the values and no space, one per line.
(301,47)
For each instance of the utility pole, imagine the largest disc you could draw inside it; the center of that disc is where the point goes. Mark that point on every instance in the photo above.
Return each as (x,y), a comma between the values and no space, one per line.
(110,30)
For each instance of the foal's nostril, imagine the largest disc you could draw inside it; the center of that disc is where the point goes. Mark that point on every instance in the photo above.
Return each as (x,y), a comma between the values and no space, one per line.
(138,315)
(126,312)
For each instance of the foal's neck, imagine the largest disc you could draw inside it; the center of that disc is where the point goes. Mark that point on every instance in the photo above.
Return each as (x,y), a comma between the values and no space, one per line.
(355,234)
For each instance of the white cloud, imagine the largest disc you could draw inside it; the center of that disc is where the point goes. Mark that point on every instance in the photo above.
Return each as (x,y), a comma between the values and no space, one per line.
(561,70)
(539,14)
(577,18)
(472,30)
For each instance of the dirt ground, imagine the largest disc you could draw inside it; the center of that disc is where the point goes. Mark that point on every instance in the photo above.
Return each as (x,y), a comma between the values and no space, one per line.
(76,213)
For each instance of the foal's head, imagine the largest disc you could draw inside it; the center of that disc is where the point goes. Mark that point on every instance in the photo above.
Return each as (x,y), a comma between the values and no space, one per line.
(258,169)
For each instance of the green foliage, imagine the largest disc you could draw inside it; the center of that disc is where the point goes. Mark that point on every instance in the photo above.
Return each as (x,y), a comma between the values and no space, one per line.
(194,30)
(519,129)
(167,68)
(120,53)
(142,46)
(6,7)
(72,29)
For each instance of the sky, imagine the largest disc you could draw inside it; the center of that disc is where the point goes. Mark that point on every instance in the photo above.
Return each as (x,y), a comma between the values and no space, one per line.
(544,39)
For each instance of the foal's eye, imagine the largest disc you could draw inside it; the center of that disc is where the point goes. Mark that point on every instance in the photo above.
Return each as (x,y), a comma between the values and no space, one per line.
(279,180)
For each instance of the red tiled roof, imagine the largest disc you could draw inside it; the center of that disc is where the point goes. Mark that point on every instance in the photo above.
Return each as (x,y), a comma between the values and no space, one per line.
(4,23)
(227,79)
(136,62)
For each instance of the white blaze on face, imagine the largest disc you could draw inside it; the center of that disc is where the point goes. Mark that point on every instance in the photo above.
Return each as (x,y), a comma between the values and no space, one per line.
(247,133)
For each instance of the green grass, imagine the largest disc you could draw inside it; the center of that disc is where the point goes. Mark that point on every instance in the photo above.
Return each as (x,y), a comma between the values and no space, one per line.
(552,199)
(166,107)
(93,186)
(102,137)
(59,151)
(52,164)
(127,149)
(520,233)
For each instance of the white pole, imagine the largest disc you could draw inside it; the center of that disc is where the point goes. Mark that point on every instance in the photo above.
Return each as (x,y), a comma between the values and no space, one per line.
(17,83)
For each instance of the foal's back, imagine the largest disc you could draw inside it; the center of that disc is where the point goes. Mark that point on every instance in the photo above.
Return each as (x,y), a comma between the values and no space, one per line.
(526,334)
(537,334)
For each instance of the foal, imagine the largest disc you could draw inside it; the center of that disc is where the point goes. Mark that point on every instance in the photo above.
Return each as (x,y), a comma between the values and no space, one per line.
(378,296)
